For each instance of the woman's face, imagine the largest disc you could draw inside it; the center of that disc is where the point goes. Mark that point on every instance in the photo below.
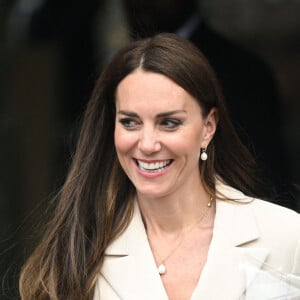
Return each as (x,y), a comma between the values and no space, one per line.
(159,133)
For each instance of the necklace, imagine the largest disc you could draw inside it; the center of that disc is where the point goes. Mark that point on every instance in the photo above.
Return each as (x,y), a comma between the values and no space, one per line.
(162,269)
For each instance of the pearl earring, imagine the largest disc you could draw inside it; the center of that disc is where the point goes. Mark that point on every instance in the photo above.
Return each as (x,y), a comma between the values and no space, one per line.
(203,154)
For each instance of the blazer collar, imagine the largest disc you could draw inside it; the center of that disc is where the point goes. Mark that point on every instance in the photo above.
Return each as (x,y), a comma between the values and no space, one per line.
(226,274)
(130,268)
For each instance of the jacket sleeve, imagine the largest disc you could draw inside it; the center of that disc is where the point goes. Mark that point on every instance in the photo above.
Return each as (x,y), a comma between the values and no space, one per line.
(296,264)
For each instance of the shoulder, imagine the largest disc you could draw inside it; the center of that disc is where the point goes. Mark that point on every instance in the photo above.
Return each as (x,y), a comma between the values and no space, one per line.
(255,223)
(259,205)
(272,220)
(271,210)
(276,220)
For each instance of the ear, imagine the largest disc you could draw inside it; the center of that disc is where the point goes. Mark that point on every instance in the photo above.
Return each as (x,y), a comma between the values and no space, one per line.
(210,126)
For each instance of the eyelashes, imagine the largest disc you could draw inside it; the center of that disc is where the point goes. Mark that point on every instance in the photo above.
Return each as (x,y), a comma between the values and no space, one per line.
(128,123)
(169,124)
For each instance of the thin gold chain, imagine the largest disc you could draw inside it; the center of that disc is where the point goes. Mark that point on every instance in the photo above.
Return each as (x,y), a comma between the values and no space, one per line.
(184,232)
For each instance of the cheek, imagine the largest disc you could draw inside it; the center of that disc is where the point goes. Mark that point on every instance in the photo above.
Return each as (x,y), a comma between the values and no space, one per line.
(124,141)
(187,143)
(121,147)
(119,140)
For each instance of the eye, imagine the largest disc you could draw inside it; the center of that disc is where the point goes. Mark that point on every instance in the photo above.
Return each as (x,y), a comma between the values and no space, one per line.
(128,123)
(171,124)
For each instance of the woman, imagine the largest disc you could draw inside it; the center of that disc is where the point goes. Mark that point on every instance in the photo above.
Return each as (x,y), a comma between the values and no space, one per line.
(160,201)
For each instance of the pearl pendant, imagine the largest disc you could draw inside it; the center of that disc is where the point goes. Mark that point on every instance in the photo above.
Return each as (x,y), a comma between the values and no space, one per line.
(203,156)
(162,269)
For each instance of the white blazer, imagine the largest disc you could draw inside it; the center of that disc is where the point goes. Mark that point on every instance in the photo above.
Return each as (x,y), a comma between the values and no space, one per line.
(254,254)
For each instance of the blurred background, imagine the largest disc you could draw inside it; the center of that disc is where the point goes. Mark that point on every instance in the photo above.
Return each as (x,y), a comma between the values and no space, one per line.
(51,52)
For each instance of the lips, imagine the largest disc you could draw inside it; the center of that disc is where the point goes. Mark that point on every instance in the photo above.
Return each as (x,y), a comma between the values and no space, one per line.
(153,166)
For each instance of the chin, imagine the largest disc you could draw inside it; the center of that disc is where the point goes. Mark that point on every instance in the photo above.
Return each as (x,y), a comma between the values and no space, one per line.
(152,193)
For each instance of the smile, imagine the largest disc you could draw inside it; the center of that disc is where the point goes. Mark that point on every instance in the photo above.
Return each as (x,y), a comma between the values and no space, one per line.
(153,167)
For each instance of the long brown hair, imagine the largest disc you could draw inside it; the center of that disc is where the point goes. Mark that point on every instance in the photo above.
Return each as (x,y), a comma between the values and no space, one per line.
(95,203)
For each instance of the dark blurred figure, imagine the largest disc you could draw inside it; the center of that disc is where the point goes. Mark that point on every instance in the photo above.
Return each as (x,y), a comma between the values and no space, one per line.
(247,82)
(70,24)
(69,29)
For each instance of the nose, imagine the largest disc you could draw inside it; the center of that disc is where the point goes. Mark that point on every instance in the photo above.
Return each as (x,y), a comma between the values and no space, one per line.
(148,141)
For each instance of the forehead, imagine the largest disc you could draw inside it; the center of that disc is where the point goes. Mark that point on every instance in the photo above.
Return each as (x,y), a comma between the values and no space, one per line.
(152,89)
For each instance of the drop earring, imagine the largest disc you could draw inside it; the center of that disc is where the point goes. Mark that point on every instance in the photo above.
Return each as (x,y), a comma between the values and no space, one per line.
(203,154)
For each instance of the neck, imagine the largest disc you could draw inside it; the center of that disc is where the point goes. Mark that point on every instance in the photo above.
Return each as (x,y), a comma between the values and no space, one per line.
(173,214)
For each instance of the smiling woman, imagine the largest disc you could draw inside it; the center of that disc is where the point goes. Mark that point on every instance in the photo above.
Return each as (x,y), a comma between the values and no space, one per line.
(161,200)
(160,142)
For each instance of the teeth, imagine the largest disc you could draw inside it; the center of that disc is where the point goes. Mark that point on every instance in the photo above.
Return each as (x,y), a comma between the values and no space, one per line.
(153,166)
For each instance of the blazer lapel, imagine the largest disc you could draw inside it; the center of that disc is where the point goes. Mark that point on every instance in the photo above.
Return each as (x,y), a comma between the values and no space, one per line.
(226,274)
(130,269)
(129,265)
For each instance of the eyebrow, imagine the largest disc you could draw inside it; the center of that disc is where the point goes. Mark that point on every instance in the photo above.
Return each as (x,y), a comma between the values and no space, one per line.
(160,115)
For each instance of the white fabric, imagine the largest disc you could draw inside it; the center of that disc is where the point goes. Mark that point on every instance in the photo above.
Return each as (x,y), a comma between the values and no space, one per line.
(254,255)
